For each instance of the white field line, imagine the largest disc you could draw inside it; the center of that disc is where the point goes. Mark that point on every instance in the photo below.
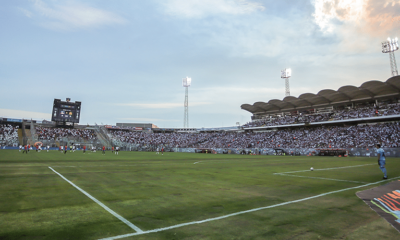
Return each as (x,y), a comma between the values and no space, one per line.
(324,169)
(101,166)
(138,230)
(242,212)
(331,179)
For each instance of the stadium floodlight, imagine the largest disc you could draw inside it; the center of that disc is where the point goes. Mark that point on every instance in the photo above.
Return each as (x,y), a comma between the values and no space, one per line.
(286,74)
(186,82)
(390,46)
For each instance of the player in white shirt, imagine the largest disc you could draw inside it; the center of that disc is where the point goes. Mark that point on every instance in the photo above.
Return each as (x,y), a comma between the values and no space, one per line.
(20,148)
(73,148)
(40,148)
(62,149)
(158,150)
(116,150)
(48,147)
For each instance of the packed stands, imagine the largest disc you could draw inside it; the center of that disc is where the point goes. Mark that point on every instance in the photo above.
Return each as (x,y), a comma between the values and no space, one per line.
(388,134)
(342,114)
(180,140)
(8,135)
(57,134)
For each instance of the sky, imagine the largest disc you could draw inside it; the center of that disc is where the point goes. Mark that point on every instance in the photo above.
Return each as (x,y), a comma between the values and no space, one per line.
(125,60)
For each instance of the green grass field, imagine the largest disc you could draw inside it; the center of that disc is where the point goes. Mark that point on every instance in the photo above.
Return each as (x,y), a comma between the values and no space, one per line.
(154,191)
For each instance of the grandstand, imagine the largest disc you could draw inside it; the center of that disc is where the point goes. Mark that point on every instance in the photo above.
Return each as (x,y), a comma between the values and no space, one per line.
(371,93)
(351,118)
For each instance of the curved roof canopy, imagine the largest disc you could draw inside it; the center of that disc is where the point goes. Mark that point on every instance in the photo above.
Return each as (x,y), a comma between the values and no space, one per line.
(368,90)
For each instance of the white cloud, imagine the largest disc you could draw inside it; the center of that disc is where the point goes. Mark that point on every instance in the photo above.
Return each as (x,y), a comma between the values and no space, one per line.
(329,11)
(161,105)
(202,8)
(74,15)
(10,113)
(27,13)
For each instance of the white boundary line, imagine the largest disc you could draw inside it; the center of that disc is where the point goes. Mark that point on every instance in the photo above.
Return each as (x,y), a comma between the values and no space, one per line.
(241,212)
(138,230)
(331,179)
(324,169)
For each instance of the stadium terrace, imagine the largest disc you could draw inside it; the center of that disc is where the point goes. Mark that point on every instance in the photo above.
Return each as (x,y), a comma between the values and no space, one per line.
(351,118)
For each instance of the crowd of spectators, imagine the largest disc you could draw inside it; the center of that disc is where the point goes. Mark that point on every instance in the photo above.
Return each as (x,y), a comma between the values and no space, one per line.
(343,114)
(312,137)
(8,135)
(180,140)
(57,134)
(387,134)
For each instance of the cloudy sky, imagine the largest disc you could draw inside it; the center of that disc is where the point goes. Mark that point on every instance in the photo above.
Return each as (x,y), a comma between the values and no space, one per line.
(125,59)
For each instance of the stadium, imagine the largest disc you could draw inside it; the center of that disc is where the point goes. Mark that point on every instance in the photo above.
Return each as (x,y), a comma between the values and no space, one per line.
(311,165)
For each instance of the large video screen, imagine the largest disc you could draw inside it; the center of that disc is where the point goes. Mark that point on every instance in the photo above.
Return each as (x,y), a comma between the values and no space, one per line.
(66,111)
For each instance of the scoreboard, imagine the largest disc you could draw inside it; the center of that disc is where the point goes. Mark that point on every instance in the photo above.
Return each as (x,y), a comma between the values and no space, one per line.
(66,111)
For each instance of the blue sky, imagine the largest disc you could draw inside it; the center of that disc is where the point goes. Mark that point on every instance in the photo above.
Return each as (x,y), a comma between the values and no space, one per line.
(125,60)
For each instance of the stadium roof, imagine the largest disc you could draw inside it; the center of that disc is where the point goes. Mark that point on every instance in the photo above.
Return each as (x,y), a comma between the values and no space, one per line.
(346,94)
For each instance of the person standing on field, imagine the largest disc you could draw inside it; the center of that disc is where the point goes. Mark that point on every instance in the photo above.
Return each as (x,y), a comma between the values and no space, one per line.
(116,150)
(381,160)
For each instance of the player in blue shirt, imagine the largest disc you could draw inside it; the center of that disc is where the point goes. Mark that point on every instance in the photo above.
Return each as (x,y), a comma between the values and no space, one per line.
(381,160)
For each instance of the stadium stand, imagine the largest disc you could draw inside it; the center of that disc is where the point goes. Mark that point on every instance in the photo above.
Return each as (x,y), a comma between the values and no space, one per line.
(371,99)
(343,114)
(58,134)
(349,119)
(8,135)
(356,136)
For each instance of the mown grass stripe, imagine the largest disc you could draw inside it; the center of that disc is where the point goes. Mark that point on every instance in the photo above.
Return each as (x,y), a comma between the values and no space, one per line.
(138,230)
(242,212)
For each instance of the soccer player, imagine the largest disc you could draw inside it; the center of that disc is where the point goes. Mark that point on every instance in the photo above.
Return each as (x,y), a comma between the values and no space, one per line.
(158,150)
(20,148)
(381,160)
(104,150)
(60,148)
(25,150)
(73,148)
(162,151)
(48,147)
(84,149)
(116,150)
(112,150)
(65,149)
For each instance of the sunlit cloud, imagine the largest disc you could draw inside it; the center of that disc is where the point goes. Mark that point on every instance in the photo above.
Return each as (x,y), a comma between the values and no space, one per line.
(327,12)
(369,16)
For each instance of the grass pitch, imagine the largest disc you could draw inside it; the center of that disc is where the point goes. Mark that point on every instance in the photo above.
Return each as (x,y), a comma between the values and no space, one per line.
(156,191)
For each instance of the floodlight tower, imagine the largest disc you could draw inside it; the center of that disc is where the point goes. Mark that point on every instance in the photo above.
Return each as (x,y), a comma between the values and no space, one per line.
(186,82)
(286,74)
(390,46)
